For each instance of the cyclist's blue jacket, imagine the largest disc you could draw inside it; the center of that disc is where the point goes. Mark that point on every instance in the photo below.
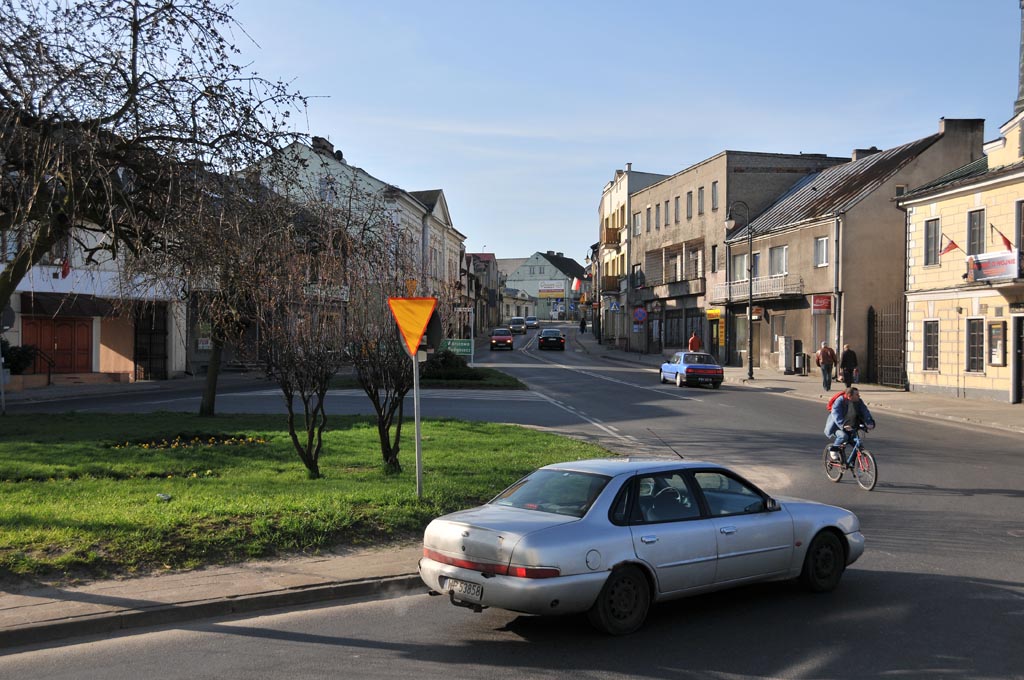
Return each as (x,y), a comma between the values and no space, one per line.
(838,415)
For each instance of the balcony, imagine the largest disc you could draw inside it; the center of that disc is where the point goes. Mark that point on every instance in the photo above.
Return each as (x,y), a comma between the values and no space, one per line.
(609,236)
(765,287)
(691,282)
(611,284)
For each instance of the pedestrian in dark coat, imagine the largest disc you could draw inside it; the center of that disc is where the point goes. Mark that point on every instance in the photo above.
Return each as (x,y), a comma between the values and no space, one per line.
(848,365)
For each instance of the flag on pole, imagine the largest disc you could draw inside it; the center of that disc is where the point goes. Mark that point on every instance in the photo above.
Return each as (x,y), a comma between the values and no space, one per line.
(1006,241)
(576,283)
(65,266)
(949,247)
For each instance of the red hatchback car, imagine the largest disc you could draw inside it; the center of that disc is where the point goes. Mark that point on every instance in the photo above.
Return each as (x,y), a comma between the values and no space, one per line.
(501,338)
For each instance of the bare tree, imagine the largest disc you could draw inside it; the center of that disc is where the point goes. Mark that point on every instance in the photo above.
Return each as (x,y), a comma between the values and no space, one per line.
(101,102)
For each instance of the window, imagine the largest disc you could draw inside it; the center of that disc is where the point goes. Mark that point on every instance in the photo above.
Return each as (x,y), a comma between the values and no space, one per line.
(728,496)
(975,232)
(901,189)
(714,195)
(777,260)
(739,267)
(932,236)
(664,497)
(821,251)
(700,201)
(931,346)
(327,191)
(778,330)
(976,345)
(689,205)
(755,267)
(636,224)
(666,213)
(648,223)
(657,217)
(677,210)
(714,258)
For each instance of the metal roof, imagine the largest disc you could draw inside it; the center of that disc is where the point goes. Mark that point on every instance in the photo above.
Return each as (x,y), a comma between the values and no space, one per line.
(835,189)
(966,175)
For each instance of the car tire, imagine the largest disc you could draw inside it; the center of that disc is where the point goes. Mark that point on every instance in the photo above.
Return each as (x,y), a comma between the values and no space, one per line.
(824,563)
(716,385)
(679,380)
(661,376)
(622,606)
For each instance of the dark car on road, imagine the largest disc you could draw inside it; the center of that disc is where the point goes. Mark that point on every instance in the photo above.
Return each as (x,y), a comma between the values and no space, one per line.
(501,338)
(551,338)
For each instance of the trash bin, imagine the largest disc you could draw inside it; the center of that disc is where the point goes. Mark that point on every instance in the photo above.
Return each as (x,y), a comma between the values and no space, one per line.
(800,363)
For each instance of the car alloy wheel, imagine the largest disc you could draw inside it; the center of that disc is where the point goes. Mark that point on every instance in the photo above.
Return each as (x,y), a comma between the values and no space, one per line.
(679,379)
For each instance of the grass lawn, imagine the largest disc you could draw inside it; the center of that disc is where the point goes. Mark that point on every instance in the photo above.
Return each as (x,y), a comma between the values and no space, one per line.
(84,495)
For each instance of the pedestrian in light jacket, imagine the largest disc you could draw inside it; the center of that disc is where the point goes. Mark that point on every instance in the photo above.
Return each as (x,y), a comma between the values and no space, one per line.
(825,358)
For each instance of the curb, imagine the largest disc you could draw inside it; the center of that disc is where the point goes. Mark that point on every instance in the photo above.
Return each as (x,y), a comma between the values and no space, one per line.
(190,611)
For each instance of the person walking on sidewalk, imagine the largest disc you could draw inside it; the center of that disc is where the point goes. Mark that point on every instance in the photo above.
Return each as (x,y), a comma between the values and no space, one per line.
(583,325)
(848,365)
(695,344)
(826,359)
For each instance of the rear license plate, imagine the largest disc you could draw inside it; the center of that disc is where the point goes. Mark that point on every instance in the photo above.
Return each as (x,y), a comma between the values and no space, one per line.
(465,589)
(703,379)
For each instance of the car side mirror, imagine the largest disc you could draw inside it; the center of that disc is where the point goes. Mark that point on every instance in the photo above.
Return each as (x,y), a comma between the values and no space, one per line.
(772,505)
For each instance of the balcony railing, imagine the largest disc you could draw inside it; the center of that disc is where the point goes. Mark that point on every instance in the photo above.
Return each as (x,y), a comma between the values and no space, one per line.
(764,287)
(609,236)
(610,284)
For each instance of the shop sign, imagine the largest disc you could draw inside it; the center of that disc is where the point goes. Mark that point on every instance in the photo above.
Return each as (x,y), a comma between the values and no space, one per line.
(988,266)
(714,314)
(821,304)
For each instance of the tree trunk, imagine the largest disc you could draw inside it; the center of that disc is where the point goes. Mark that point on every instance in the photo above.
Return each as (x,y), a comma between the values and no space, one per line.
(209,402)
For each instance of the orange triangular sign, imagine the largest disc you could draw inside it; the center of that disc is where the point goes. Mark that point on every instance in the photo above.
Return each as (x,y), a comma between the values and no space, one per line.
(412,316)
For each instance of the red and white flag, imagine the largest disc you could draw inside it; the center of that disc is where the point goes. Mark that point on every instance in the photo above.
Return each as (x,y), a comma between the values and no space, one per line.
(576,283)
(65,266)
(1006,241)
(949,247)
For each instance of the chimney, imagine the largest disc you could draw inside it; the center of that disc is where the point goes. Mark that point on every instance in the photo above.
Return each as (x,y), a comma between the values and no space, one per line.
(551,252)
(864,153)
(629,166)
(1018,105)
(321,145)
(560,254)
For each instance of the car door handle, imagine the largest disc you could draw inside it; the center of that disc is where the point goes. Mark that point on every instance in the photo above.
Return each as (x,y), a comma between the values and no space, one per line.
(728,530)
(648,539)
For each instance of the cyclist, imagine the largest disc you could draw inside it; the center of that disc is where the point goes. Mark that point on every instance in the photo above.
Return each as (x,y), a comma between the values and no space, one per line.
(842,419)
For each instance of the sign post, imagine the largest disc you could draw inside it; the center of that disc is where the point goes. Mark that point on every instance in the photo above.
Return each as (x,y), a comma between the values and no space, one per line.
(412,316)
(472,331)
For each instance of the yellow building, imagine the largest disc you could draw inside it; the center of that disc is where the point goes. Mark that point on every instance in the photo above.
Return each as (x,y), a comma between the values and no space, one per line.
(965,290)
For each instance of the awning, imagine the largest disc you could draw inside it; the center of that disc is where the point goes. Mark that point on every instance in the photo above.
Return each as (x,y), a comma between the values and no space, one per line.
(61,304)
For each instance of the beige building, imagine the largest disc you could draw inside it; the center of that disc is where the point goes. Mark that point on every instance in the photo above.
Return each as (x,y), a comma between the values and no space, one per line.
(827,261)
(610,283)
(965,283)
(677,236)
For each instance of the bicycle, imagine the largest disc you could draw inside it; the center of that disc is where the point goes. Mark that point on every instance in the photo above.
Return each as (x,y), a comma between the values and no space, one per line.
(859,462)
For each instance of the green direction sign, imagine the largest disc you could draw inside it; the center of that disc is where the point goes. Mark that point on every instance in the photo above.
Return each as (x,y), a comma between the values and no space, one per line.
(460,346)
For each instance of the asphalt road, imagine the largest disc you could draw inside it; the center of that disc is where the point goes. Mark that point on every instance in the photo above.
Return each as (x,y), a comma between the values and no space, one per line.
(938,593)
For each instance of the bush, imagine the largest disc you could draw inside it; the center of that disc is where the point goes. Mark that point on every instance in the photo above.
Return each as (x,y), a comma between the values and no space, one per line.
(17,359)
(447,365)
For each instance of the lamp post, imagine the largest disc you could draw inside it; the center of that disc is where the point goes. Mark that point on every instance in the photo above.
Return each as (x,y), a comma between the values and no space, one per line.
(730,222)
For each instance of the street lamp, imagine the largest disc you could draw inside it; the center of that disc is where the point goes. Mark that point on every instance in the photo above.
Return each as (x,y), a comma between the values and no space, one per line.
(729,224)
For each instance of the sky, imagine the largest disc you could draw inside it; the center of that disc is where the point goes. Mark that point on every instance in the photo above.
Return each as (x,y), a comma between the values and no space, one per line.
(522,111)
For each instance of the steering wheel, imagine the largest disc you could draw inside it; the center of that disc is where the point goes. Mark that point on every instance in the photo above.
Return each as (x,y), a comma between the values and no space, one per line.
(679,495)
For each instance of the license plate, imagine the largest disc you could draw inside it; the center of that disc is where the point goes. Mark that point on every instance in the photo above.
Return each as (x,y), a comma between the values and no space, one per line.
(465,589)
(702,379)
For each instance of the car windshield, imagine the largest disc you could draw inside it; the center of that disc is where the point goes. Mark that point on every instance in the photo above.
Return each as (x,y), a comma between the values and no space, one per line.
(563,492)
(501,331)
(551,333)
(517,319)
(698,359)
(531,318)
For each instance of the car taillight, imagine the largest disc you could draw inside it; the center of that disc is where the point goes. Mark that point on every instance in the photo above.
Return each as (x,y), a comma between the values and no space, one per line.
(533,572)
(489,568)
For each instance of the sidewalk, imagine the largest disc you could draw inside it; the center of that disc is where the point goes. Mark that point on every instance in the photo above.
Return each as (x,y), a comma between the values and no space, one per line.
(40,614)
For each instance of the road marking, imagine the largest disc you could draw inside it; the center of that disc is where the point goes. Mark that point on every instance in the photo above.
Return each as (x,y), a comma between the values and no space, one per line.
(593,422)
(656,390)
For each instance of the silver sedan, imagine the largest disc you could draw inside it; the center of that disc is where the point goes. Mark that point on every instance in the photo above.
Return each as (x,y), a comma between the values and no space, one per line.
(612,536)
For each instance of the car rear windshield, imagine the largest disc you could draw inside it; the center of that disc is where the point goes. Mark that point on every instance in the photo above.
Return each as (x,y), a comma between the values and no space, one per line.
(562,492)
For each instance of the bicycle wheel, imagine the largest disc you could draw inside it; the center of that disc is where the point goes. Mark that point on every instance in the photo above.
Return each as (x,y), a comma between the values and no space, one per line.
(865,470)
(833,470)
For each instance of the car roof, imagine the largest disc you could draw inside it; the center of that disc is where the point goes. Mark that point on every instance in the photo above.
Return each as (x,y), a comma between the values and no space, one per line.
(551,331)
(499,331)
(630,464)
